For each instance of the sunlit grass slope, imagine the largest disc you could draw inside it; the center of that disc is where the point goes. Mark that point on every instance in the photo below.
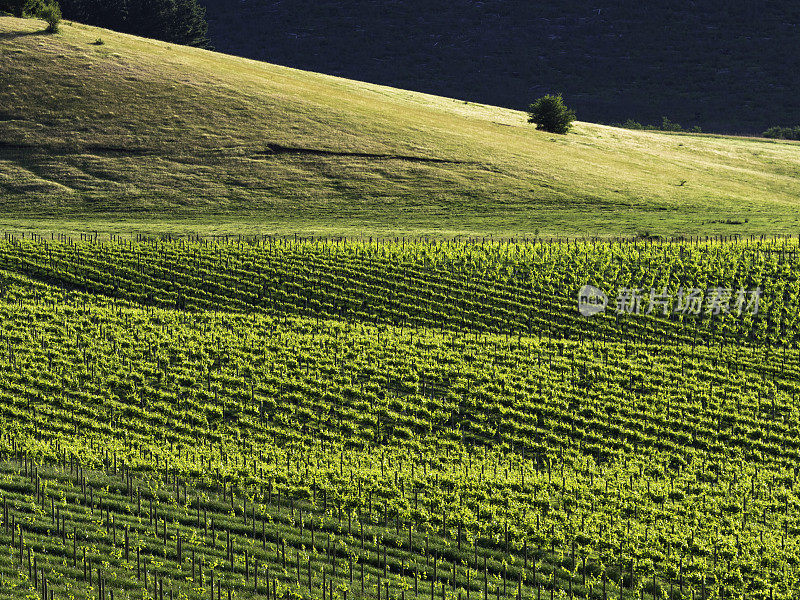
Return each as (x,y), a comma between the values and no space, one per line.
(140,135)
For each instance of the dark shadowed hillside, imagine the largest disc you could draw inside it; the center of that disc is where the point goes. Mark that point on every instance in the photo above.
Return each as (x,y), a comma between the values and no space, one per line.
(725,66)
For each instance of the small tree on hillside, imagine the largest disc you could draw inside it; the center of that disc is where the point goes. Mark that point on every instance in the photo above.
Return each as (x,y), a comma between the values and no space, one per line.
(52,14)
(551,114)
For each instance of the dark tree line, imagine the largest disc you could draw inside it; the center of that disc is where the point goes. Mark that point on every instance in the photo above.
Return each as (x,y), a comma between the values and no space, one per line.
(176,21)
(20,8)
(783,133)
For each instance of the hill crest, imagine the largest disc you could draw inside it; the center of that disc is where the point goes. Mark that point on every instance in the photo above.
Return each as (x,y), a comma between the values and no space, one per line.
(142,135)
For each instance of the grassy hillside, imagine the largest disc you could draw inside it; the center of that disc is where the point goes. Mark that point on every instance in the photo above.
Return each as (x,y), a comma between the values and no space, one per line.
(137,135)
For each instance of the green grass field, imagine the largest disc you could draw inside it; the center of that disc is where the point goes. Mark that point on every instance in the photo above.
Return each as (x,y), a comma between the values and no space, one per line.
(139,136)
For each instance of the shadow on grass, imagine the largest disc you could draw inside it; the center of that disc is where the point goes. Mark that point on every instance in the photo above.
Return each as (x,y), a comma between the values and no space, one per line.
(273,149)
(11,35)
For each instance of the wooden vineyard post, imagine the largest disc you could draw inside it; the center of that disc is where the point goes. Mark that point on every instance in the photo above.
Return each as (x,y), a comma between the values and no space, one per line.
(583,572)
(485,581)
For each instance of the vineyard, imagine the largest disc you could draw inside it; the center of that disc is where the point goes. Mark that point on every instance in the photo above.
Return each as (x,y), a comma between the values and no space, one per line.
(395,419)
